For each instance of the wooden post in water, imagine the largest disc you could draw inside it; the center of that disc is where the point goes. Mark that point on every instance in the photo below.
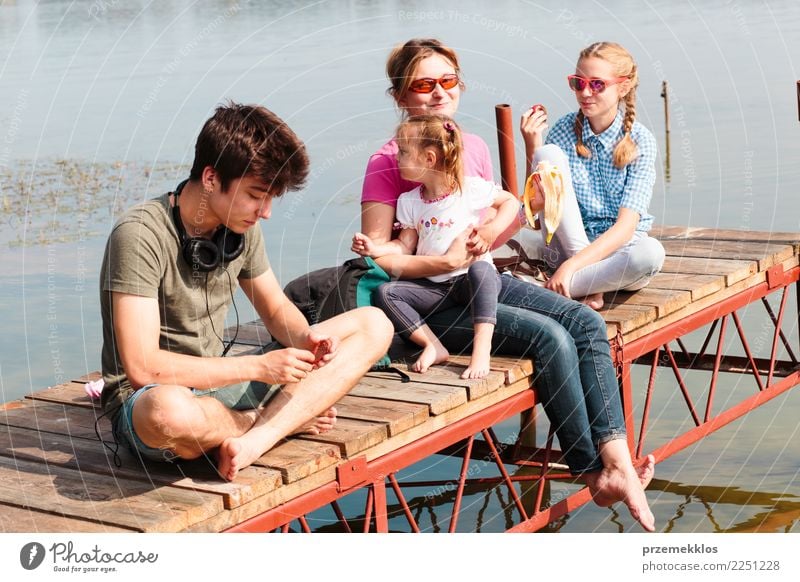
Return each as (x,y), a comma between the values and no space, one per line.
(798,101)
(505,143)
(665,95)
(508,173)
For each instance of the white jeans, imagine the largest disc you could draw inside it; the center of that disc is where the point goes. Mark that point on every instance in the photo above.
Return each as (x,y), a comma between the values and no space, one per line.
(629,268)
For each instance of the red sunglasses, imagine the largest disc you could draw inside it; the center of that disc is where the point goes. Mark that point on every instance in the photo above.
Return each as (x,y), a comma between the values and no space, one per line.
(578,83)
(427,85)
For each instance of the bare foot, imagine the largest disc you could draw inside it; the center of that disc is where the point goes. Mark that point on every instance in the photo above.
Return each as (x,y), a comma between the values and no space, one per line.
(431,354)
(478,367)
(319,425)
(234,454)
(613,484)
(594,301)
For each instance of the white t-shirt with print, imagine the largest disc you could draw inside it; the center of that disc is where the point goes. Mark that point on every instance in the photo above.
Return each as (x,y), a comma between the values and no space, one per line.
(439,222)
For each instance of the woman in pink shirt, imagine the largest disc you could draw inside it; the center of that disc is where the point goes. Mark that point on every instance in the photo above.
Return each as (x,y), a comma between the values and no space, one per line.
(567,341)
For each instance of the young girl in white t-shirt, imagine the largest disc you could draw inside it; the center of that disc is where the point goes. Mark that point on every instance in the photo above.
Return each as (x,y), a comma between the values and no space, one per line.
(431,216)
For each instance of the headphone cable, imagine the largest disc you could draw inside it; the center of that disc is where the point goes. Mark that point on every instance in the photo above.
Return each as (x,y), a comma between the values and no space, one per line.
(227,348)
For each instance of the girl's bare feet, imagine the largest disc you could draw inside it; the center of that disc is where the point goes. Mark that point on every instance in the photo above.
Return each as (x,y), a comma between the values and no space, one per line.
(595,301)
(431,354)
(481,352)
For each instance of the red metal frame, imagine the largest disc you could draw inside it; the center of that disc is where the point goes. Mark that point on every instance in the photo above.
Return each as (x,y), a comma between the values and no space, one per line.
(653,350)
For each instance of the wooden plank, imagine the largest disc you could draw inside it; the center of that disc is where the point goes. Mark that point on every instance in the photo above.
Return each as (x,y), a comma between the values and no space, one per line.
(73,421)
(438,398)
(665,301)
(398,416)
(628,317)
(706,302)
(512,367)
(765,254)
(733,271)
(698,285)
(450,417)
(119,502)
(71,393)
(18,520)
(287,492)
(351,436)
(227,519)
(90,377)
(297,459)
(700,233)
(90,456)
(252,334)
(662,232)
(448,374)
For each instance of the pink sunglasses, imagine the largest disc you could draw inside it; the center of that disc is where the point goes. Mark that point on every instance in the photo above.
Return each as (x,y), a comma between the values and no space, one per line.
(578,83)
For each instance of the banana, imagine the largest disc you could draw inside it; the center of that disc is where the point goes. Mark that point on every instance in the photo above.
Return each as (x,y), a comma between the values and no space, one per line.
(551,182)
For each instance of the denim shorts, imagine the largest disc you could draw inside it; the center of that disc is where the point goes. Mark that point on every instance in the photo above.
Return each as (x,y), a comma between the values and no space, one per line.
(243,396)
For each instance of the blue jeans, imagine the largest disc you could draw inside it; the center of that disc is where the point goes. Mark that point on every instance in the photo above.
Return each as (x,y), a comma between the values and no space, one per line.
(573,371)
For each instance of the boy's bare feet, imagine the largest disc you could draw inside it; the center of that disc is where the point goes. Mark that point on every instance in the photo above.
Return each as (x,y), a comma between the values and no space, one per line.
(431,354)
(624,483)
(595,301)
(319,425)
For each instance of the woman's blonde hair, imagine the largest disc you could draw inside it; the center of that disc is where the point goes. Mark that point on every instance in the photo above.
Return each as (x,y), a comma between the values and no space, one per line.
(405,58)
(624,66)
(441,134)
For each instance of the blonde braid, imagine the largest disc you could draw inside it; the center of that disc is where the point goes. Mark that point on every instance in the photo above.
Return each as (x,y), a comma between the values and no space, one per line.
(580,147)
(626,151)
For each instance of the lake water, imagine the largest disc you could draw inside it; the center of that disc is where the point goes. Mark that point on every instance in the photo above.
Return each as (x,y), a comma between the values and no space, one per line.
(102,101)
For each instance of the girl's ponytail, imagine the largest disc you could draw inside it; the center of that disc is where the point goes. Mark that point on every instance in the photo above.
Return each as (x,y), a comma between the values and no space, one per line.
(443,135)
(452,153)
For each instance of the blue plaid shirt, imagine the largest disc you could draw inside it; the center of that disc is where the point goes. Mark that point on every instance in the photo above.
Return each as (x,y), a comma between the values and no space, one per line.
(602,189)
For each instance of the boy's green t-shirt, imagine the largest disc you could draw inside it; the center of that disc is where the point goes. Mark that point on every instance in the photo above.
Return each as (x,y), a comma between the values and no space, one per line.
(143,257)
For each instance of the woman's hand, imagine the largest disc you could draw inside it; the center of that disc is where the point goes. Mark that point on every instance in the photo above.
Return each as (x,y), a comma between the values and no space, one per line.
(533,125)
(459,254)
(561,280)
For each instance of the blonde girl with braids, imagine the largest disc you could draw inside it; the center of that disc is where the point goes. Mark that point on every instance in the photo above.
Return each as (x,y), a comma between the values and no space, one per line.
(607,160)
(431,216)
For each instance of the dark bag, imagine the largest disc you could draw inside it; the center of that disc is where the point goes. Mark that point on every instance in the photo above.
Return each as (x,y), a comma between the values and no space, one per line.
(324,293)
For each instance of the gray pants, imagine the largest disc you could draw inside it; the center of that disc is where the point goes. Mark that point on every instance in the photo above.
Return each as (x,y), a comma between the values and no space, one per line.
(407,302)
(629,268)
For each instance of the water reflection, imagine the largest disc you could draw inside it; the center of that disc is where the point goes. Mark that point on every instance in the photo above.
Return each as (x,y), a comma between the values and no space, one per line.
(490,508)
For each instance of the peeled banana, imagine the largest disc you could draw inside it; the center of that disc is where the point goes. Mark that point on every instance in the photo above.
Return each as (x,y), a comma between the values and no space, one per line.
(551,182)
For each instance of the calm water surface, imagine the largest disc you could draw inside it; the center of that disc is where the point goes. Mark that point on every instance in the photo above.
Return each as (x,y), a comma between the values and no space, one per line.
(102,102)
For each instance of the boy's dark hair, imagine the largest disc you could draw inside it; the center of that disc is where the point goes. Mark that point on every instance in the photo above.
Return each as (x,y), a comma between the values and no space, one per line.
(240,140)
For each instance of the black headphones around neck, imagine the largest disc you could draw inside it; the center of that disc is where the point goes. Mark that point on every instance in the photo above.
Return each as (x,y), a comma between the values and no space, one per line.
(203,254)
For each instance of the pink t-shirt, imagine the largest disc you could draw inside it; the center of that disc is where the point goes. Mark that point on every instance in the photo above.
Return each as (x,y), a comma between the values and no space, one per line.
(382,182)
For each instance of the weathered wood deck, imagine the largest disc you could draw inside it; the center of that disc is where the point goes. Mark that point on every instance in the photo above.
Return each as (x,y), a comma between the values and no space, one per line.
(56,476)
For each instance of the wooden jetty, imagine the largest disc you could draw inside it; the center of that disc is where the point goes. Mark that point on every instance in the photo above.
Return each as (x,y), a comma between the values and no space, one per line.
(56,477)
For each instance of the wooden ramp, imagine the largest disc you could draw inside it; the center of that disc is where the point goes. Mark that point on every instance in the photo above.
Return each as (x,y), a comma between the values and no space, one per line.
(56,476)
(703,267)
